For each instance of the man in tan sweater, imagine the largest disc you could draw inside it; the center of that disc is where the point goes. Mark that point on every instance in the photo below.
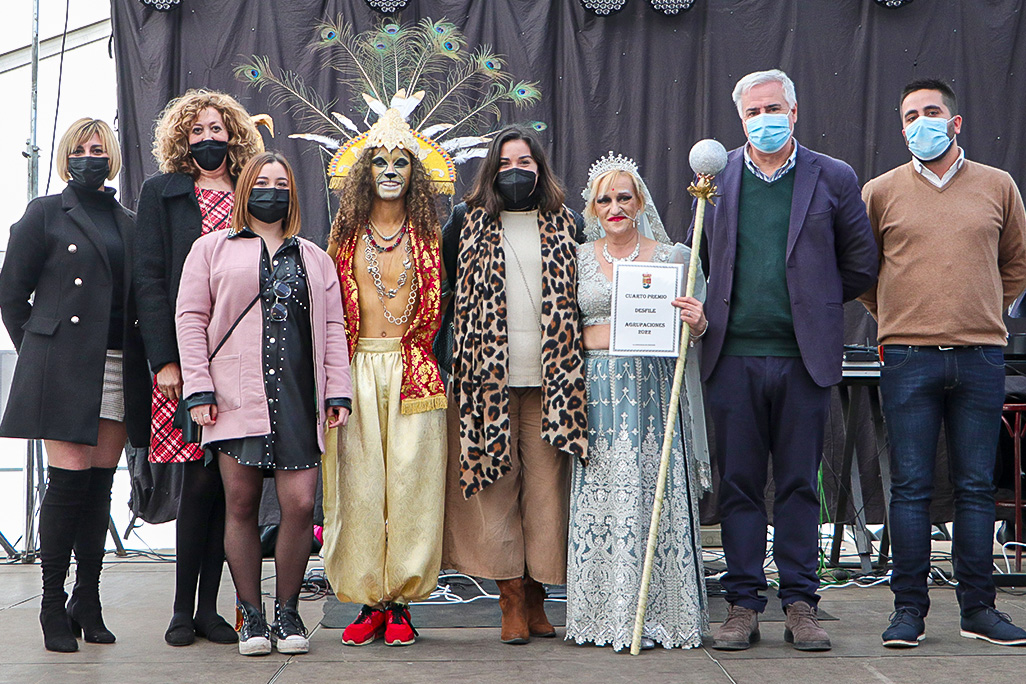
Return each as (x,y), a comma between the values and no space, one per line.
(952,238)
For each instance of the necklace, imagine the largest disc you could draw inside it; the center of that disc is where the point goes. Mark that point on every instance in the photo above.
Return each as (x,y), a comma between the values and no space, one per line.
(630,257)
(530,295)
(369,237)
(375,273)
(393,236)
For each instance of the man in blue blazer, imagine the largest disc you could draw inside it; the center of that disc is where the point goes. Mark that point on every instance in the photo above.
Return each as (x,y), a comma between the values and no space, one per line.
(787,244)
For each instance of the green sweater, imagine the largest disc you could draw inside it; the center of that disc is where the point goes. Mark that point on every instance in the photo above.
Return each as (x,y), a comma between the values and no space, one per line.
(760,322)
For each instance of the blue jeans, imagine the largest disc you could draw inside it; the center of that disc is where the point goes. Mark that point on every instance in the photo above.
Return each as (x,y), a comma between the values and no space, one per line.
(964,387)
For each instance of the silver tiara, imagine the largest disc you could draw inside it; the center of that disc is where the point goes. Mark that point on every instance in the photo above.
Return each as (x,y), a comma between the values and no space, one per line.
(611,163)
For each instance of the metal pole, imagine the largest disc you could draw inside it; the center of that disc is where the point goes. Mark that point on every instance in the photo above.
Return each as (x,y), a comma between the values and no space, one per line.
(31,149)
(33,455)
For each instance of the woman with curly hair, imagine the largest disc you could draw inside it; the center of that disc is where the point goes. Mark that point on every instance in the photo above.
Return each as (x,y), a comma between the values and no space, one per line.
(388,471)
(203,140)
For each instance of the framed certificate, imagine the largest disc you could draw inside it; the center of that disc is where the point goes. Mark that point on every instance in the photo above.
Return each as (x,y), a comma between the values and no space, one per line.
(644,321)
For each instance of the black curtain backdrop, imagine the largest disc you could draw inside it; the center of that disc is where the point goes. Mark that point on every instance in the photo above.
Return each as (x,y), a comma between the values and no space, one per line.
(638,82)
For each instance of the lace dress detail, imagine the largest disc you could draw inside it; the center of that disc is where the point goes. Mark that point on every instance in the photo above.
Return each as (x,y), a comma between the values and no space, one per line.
(611,498)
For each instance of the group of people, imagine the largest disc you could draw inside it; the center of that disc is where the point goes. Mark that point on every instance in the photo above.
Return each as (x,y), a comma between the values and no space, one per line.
(454,384)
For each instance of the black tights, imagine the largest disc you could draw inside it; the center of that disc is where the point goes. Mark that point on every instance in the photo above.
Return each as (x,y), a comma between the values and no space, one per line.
(199,540)
(243,486)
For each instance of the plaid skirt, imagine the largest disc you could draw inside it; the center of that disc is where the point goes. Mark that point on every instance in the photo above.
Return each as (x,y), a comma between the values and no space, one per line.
(166,443)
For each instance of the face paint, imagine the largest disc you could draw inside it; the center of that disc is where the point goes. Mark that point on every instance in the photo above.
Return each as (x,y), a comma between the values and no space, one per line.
(391,170)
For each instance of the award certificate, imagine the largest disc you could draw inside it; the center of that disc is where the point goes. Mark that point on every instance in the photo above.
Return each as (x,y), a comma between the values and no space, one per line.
(644,321)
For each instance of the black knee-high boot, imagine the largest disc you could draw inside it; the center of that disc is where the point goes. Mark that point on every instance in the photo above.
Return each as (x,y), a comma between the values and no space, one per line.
(90,548)
(59,516)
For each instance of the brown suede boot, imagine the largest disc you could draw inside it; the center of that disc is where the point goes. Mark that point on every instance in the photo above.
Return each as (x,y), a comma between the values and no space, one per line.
(802,628)
(739,631)
(534,597)
(514,613)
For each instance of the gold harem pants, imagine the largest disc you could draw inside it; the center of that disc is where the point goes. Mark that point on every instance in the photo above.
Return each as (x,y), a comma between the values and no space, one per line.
(384,488)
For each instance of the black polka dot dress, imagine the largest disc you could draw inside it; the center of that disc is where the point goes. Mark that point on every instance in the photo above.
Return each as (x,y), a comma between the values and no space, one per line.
(288,368)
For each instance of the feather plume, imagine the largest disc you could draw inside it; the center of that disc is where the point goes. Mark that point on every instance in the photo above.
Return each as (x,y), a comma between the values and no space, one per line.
(470,154)
(404,104)
(345,121)
(432,131)
(461,143)
(345,52)
(323,140)
(288,91)
(375,105)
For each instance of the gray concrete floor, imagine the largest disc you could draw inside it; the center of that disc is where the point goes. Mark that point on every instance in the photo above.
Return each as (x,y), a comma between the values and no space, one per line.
(137,599)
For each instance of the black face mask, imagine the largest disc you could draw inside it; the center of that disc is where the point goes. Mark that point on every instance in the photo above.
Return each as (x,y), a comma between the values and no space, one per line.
(268,204)
(517,188)
(89,172)
(209,154)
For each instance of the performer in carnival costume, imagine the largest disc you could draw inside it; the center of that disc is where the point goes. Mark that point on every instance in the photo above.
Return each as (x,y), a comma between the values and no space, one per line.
(389,469)
(612,491)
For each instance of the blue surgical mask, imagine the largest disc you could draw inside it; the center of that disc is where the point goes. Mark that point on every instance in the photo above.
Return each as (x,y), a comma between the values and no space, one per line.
(768,133)
(927,137)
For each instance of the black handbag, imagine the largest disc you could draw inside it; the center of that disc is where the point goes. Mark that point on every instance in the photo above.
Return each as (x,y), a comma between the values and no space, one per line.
(192,432)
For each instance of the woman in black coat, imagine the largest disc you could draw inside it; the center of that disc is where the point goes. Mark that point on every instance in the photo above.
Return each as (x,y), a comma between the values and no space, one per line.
(81,382)
(203,139)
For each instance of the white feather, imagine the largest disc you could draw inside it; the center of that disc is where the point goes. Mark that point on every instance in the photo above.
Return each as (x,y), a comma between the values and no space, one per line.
(323,140)
(460,143)
(406,105)
(375,105)
(432,131)
(470,154)
(345,121)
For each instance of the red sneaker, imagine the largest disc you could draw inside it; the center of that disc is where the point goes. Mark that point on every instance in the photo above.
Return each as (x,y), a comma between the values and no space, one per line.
(367,627)
(399,630)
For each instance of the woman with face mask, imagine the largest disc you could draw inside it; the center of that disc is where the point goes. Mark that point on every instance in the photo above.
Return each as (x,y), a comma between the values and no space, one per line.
(203,139)
(266,370)
(517,417)
(67,301)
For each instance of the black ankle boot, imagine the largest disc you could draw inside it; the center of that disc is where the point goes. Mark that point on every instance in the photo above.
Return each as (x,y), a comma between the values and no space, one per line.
(90,547)
(59,515)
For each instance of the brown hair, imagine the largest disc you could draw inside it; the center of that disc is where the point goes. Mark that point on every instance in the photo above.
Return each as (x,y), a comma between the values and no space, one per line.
(485,193)
(247,179)
(77,134)
(358,193)
(171,137)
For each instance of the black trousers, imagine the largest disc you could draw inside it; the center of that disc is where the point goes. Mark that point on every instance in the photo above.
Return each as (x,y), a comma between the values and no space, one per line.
(766,410)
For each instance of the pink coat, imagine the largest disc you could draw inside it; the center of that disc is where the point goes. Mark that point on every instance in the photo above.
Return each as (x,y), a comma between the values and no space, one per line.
(220,277)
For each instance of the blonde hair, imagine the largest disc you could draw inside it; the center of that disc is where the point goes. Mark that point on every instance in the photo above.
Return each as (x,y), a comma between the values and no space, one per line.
(602,183)
(77,134)
(248,178)
(171,136)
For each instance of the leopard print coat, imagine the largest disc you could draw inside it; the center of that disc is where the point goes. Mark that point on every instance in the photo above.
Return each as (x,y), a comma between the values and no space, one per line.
(480,358)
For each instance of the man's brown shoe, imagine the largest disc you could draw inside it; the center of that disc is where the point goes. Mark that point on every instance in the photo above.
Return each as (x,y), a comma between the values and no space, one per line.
(514,612)
(534,600)
(739,631)
(802,628)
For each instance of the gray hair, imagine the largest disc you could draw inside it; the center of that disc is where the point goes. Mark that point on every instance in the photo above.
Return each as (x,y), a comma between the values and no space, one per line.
(758,78)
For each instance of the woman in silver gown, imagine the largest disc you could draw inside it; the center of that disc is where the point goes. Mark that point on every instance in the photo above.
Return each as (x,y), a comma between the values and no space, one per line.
(612,493)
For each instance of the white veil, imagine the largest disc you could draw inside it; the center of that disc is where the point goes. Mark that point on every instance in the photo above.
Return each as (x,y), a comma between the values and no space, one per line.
(651,226)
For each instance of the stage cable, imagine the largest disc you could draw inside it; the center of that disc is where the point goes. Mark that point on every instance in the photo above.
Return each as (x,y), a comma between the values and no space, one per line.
(57,109)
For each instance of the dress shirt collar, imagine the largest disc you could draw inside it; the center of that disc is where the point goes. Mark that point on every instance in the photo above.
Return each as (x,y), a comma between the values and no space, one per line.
(779,173)
(934,178)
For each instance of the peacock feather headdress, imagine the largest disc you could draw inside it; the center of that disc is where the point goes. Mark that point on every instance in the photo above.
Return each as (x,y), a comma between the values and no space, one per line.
(430,94)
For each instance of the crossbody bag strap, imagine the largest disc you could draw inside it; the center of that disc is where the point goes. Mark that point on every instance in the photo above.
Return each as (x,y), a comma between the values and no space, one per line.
(274,274)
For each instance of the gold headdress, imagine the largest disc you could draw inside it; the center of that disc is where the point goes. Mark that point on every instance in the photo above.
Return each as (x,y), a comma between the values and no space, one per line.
(391,131)
(461,94)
